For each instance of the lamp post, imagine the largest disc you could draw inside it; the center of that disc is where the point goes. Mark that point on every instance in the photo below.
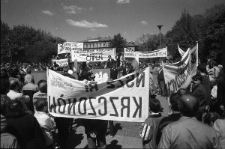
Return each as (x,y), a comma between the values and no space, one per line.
(160,26)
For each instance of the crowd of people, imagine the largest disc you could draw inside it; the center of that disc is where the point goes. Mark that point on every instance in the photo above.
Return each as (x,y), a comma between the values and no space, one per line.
(196,120)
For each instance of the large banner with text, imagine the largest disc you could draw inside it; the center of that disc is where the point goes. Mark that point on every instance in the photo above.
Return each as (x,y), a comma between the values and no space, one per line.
(124,99)
(67,47)
(92,55)
(61,62)
(179,75)
(145,54)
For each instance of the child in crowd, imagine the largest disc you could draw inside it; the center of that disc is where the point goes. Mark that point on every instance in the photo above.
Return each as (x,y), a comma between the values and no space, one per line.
(46,122)
(150,126)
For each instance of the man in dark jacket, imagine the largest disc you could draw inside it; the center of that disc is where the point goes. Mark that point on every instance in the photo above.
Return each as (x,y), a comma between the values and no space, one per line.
(201,94)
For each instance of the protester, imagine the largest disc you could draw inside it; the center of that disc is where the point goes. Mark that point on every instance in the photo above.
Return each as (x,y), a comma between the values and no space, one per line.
(26,125)
(96,132)
(200,92)
(46,122)
(174,116)
(188,132)
(205,79)
(150,126)
(42,93)
(29,89)
(219,127)
(110,62)
(15,94)
(161,82)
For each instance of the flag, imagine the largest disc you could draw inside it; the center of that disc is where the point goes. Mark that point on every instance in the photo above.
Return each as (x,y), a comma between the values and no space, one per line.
(180,51)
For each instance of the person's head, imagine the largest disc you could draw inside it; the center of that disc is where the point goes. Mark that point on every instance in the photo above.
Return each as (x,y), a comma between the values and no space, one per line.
(109,56)
(14,85)
(65,69)
(5,86)
(41,105)
(12,73)
(173,101)
(197,79)
(29,78)
(212,64)
(182,91)
(42,85)
(154,105)
(209,118)
(15,109)
(202,68)
(188,105)
(4,102)
(4,73)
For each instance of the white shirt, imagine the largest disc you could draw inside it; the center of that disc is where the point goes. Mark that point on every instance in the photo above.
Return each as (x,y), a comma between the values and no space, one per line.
(16,95)
(47,125)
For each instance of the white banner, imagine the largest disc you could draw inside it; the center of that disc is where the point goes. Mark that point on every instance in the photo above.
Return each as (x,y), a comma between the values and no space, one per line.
(124,99)
(66,47)
(92,55)
(180,51)
(147,54)
(180,75)
(61,62)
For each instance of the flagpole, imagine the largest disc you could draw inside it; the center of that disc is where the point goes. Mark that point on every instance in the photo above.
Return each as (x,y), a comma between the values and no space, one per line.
(197,51)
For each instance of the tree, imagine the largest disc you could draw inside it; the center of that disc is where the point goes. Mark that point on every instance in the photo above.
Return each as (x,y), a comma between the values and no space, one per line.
(119,43)
(214,20)
(182,33)
(27,44)
(5,48)
(150,42)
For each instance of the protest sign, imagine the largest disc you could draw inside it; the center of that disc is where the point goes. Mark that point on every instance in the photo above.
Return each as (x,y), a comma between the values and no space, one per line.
(180,75)
(92,55)
(145,54)
(124,99)
(66,47)
(61,62)
(101,75)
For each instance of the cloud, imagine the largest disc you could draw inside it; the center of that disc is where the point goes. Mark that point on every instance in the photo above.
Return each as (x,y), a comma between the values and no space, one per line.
(85,24)
(123,1)
(144,22)
(72,9)
(47,12)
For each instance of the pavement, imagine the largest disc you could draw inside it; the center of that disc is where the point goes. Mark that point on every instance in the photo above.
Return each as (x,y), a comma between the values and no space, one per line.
(126,133)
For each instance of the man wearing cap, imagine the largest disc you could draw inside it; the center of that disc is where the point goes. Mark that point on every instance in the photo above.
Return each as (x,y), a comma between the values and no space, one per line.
(188,132)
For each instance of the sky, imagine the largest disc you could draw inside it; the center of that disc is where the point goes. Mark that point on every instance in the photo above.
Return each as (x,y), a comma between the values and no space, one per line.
(77,20)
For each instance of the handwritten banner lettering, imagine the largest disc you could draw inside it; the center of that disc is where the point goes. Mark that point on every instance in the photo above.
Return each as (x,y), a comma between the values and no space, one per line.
(124,99)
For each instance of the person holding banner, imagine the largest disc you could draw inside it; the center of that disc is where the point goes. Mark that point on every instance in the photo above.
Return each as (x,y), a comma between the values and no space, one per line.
(96,132)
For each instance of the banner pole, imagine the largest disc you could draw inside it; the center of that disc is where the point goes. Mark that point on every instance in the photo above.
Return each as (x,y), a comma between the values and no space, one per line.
(197,51)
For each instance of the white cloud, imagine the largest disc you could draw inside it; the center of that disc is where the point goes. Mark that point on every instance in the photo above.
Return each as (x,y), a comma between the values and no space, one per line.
(47,12)
(144,22)
(72,9)
(85,24)
(123,1)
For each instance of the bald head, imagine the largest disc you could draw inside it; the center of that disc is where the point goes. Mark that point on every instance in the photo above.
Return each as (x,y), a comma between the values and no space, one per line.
(188,105)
